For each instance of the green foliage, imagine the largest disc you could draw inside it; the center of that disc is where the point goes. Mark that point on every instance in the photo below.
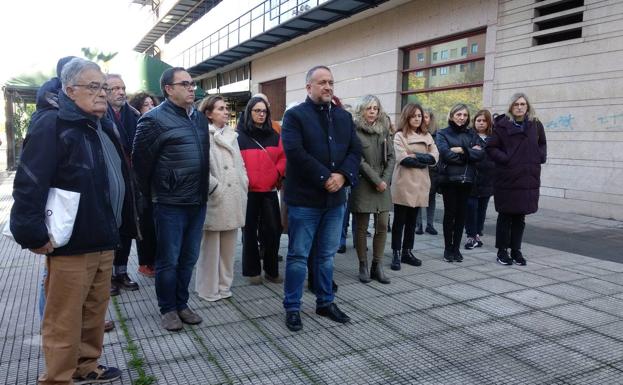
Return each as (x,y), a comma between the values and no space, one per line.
(96,55)
(31,79)
(21,119)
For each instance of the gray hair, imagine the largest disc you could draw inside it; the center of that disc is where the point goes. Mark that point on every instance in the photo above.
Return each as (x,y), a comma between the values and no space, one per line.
(311,71)
(365,102)
(113,76)
(72,70)
(530,113)
(456,108)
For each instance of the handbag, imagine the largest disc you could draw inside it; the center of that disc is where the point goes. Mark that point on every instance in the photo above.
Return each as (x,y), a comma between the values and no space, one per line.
(61,209)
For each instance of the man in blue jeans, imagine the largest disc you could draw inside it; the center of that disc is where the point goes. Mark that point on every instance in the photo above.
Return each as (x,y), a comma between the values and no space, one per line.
(323,155)
(170,158)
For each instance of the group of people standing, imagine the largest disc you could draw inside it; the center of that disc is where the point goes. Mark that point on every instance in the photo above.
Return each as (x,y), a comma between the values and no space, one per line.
(182,182)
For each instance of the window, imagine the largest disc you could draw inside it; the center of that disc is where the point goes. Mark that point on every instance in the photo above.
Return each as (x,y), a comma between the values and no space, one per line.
(420,57)
(437,85)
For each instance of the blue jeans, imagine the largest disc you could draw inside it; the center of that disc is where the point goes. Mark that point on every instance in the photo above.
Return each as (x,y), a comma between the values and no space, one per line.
(178,231)
(476,214)
(307,225)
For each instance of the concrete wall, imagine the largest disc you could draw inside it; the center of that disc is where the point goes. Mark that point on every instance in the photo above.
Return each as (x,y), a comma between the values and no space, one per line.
(365,56)
(577,88)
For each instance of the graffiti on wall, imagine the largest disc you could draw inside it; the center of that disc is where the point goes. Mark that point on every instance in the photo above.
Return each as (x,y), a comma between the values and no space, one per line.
(610,122)
(561,122)
(613,121)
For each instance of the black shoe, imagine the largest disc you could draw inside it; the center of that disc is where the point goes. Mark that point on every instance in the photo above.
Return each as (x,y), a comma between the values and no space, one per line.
(418,230)
(395,260)
(458,257)
(293,321)
(409,258)
(448,255)
(114,289)
(431,230)
(471,243)
(99,375)
(342,249)
(123,281)
(333,313)
(334,286)
(504,258)
(518,258)
(377,272)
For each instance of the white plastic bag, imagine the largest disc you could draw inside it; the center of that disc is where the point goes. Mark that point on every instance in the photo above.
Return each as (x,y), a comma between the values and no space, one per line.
(60,215)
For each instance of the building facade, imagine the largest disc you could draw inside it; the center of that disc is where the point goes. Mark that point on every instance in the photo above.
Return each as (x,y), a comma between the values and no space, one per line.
(567,55)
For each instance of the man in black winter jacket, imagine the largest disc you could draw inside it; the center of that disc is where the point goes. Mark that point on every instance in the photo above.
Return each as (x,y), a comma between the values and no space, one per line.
(76,151)
(170,158)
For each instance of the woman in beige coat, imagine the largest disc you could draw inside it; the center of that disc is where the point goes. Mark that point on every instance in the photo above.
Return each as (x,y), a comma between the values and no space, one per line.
(415,150)
(227,204)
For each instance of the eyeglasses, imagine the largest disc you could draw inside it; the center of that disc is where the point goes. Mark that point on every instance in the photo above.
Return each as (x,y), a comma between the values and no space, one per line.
(520,104)
(94,88)
(260,112)
(186,84)
(115,89)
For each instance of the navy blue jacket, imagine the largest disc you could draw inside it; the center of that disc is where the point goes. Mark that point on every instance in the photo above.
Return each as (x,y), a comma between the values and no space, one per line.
(318,139)
(65,152)
(171,155)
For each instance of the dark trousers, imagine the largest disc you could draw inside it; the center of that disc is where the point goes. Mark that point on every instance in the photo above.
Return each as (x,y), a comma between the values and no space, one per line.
(509,231)
(123,253)
(262,207)
(476,214)
(404,221)
(146,248)
(455,207)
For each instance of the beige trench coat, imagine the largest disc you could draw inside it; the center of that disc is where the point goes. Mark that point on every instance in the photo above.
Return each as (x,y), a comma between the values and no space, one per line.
(227,203)
(410,186)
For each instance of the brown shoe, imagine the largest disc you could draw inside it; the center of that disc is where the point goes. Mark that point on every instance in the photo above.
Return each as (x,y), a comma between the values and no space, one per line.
(189,317)
(171,321)
(276,279)
(108,325)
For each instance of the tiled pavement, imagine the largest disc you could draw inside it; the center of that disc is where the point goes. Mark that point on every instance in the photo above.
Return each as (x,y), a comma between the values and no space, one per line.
(559,320)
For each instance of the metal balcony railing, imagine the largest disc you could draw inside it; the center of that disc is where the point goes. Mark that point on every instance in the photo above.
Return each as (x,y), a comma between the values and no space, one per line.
(262,18)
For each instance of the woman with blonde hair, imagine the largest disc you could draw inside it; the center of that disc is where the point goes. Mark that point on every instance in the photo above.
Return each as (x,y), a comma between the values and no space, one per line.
(226,204)
(415,150)
(371,195)
(518,147)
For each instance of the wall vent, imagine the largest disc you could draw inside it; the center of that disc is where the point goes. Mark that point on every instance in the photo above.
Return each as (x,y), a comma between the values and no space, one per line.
(557,21)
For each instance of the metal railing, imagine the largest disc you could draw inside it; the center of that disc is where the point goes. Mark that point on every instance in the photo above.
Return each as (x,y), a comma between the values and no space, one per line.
(265,16)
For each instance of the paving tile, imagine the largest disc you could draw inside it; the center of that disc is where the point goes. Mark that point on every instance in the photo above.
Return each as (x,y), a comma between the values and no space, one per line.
(610,305)
(599,286)
(528,279)
(310,346)
(408,358)
(353,369)
(413,324)
(493,268)
(561,275)
(429,280)
(458,314)
(190,370)
(355,291)
(381,306)
(397,285)
(607,265)
(614,278)
(569,292)
(231,335)
(498,306)
(554,359)
(501,334)
(603,375)
(588,270)
(461,291)
(501,368)
(365,335)
(544,324)
(251,360)
(462,275)
(456,345)
(582,315)
(285,377)
(614,330)
(595,345)
(535,298)
(496,285)
(423,299)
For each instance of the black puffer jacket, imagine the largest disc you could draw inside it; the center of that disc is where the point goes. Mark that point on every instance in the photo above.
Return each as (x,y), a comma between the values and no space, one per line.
(483,186)
(171,155)
(453,167)
(65,152)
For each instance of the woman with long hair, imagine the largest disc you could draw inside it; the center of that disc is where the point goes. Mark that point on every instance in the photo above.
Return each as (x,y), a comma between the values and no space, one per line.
(482,188)
(227,201)
(518,147)
(265,162)
(371,195)
(431,127)
(415,150)
(459,151)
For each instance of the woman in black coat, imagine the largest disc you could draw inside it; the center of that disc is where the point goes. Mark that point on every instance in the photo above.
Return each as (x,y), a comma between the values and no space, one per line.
(459,152)
(518,147)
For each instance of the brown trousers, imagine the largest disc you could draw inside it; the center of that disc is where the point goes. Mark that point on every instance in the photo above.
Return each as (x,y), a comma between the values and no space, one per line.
(380,235)
(77,291)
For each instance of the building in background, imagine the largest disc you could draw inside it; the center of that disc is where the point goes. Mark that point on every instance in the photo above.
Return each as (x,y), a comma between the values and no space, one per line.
(567,55)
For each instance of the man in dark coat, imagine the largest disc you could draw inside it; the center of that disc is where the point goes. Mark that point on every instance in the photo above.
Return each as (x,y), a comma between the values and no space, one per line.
(125,117)
(323,154)
(77,152)
(171,161)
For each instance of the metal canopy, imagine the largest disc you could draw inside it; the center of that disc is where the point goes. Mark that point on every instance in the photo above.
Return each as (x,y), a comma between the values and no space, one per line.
(181,16)
(305,22)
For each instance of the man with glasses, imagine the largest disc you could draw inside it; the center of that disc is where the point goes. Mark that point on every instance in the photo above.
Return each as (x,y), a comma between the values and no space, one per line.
(170,157)
(125,117)
(323,154)
(77,151)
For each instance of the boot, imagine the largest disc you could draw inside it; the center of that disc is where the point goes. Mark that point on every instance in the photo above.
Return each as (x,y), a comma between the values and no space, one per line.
(395,260)
(377,272)
(409,258)
(363,272)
